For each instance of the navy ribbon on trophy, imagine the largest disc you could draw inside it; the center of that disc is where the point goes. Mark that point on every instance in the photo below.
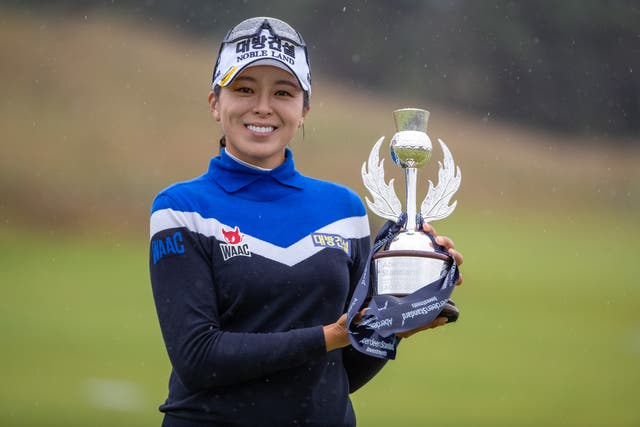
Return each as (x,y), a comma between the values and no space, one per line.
(387,315)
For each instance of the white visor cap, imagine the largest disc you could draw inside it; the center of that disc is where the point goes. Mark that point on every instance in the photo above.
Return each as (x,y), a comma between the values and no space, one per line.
(263,49)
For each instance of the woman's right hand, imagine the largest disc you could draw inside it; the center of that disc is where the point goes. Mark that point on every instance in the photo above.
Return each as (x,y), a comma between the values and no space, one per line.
(336,335)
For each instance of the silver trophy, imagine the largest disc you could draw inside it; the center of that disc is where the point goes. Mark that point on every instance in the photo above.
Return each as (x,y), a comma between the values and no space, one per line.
(410,261)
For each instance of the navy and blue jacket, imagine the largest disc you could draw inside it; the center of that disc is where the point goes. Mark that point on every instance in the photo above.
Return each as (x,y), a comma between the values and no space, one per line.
(246,266)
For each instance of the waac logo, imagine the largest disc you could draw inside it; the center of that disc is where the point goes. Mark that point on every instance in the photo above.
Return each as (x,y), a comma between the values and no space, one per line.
(234,246)
(169,245)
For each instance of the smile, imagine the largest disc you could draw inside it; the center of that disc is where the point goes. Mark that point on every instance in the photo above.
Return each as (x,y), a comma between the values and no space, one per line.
(260,129)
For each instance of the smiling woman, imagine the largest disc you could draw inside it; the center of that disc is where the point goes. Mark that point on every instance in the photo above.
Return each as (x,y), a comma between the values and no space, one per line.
(253,264)
(260,112)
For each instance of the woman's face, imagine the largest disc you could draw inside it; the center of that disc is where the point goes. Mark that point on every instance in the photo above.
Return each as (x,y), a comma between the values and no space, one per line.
(259,112)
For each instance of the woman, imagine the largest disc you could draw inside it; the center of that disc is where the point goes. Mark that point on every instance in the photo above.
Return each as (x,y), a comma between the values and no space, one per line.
(252,264)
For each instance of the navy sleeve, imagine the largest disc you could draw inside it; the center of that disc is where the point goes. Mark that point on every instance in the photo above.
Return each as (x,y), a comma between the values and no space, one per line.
(360,367)
(201,353)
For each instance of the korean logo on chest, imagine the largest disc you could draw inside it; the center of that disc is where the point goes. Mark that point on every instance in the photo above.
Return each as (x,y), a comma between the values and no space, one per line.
(335,241)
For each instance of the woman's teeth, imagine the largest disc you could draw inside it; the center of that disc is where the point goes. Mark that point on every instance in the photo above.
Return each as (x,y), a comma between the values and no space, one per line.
(260,129)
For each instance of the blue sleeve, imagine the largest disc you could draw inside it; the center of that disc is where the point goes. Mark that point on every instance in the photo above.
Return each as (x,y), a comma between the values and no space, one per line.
(360,367)
(202,354)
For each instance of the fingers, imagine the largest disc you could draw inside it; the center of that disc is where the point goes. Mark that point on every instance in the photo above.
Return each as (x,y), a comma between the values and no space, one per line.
(342,321)
(429,228)
(445,241)
(440,321)
(457,256)
(449,245)
(441,240)
(358,317)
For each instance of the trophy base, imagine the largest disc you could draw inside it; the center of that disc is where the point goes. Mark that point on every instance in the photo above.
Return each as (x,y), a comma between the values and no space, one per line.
(450,311)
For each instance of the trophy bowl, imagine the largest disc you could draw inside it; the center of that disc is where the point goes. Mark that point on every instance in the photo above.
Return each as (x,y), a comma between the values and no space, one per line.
(408,264)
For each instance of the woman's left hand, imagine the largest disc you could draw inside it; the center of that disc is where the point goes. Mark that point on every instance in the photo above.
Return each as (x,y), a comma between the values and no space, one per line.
(448,244)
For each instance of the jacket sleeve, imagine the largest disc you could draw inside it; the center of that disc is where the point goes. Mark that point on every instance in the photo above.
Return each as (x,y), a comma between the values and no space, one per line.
(360,367)
(202,354)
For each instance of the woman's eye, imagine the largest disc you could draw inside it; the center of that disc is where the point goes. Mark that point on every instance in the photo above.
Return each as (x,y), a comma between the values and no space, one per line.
(283,93)
(244,90)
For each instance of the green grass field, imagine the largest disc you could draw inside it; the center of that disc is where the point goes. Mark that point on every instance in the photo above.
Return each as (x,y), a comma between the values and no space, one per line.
(549,333)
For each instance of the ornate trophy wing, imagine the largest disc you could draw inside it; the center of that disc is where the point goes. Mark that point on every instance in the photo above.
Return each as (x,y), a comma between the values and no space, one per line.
(385,202)
(436,204)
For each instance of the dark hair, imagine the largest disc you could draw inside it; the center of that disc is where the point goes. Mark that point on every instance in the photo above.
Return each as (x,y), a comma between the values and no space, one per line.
(305,104)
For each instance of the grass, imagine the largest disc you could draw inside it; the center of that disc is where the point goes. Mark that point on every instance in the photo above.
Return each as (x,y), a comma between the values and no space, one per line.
(549,333)
(77,311)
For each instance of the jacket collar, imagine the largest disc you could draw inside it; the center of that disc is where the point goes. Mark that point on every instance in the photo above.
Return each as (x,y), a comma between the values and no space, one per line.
(233,176)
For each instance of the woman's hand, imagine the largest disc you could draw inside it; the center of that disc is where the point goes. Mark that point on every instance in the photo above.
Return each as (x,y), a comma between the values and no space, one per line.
(448,244)
(336,335)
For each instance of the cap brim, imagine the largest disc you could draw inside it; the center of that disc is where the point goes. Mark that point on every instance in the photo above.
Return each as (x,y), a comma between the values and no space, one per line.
(269,62)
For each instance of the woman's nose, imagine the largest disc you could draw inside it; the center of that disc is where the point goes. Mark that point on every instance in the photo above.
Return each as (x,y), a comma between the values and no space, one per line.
(263,104)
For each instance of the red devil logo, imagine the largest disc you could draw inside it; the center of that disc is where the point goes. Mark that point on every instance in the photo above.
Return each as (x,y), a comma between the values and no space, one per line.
(232,237)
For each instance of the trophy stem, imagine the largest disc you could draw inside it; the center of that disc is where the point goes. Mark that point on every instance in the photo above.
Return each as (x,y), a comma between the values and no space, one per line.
(410,176)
